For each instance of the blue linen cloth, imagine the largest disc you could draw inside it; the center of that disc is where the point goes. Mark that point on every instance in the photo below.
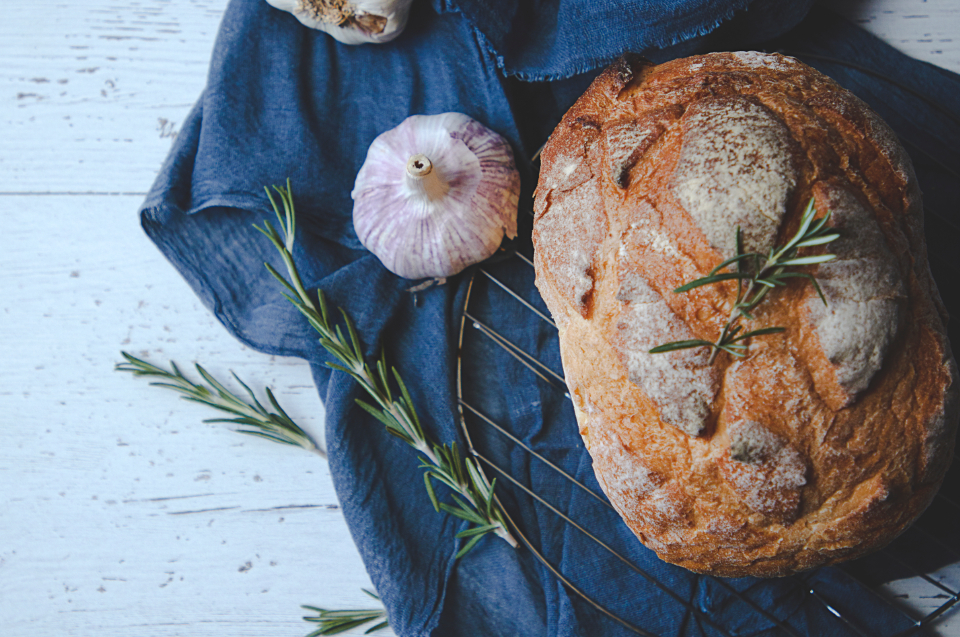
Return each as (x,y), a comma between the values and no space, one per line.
(285,102)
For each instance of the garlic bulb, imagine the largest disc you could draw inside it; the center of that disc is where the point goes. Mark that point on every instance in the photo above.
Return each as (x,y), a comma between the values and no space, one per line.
(356,22)
(436,194)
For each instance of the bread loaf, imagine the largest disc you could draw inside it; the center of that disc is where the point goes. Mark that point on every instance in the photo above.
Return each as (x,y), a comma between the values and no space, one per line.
(820,443)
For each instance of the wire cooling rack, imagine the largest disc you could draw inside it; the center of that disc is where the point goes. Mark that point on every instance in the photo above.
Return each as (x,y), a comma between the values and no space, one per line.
(918,575)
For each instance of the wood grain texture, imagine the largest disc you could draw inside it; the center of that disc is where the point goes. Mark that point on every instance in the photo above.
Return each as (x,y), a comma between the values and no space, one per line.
(96,90)
(923,29)
(121,513)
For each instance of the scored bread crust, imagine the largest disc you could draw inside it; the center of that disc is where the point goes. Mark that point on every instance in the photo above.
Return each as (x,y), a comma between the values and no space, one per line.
(823,442)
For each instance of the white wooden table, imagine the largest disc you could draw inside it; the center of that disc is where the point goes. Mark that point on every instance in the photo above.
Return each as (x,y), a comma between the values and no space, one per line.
(121,513)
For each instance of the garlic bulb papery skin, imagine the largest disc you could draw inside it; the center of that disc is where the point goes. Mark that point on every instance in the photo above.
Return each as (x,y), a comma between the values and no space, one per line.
(435,195)
(357,22)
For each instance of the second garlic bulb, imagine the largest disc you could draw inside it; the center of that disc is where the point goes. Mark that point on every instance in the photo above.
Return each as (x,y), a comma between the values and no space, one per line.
(351,22)
(435,195)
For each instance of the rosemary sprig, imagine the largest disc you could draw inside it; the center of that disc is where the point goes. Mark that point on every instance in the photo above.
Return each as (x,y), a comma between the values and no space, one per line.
(472,492)
(252,417)
(333,622)
(769,271)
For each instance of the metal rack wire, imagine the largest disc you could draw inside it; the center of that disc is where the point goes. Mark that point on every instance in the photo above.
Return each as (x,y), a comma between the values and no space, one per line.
(872,574)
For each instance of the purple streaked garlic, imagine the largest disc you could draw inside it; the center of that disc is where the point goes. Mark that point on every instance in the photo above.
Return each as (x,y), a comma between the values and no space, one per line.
(356,22)
(435,195)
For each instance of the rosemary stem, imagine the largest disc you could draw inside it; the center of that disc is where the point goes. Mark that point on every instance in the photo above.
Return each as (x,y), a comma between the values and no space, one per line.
(250,415)
(732,319)
(409,427)
(743,301)
(771,274)
(297,282)
(473,492)
(424,447)
(400,415)
(504,534)
(502,531)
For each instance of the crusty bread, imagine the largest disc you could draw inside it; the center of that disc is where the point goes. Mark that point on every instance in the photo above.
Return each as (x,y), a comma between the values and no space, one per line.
(825,441)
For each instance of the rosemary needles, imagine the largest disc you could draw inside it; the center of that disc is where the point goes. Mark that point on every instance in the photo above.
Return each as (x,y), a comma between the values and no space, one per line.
(333,622)
(472,493)
(250,415)
(753,284)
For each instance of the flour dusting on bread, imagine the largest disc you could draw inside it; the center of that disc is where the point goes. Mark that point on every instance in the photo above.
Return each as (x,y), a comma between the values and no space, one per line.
(681,383)
(756,59)
(764,469)
(626,142)
(575,225)
(864,291)
(736,168)
(623,473)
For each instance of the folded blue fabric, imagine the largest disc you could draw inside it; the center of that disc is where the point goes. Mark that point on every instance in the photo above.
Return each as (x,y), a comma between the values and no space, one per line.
(285,102)
(555,39)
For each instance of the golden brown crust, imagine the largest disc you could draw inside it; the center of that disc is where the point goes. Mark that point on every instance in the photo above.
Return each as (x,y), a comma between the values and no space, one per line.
(824,442)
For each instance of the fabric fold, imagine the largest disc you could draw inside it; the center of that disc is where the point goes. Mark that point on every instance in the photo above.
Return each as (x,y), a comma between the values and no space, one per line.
(551,40)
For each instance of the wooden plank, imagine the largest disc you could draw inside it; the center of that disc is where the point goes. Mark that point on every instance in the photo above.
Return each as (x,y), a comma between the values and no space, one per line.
(123,513)
(928,30)
(94,91)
